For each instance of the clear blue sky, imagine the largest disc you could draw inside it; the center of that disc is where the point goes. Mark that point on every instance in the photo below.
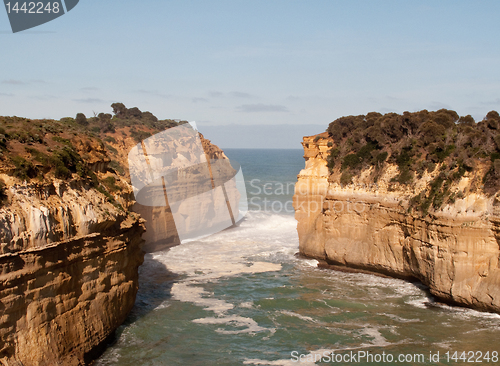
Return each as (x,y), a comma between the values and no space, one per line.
(255,62)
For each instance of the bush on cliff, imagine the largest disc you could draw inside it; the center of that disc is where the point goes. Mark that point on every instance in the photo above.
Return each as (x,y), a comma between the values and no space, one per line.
(44,149)
(81,119)
(24,169)
(416,142)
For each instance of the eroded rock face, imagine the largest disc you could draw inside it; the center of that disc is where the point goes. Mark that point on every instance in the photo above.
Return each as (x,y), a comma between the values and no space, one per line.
(68,272)
(454,251)
(69,259)
(161,232)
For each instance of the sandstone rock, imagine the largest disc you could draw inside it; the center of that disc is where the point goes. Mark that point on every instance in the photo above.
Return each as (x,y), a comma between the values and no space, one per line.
(454,251)
(68,272)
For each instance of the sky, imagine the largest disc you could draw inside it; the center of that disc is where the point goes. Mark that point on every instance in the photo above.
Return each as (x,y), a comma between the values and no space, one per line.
(300,64)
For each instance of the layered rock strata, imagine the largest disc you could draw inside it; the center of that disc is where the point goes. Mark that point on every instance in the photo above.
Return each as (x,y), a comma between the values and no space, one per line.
(161,232)
(454,250)
(69,257)
(69,263)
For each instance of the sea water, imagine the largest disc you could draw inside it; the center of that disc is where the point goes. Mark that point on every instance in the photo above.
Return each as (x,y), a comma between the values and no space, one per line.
(243,297)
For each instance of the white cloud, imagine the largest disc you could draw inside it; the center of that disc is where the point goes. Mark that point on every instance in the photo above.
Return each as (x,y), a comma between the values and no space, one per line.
(251,108)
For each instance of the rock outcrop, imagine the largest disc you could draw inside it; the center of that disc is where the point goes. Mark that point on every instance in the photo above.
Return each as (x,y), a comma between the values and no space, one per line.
(69,261)
(161,232)
(70,241)
(454,251)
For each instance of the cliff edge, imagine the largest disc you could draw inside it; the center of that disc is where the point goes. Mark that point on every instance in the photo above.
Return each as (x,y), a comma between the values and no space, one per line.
(68,272)
(386,195)
(70,241)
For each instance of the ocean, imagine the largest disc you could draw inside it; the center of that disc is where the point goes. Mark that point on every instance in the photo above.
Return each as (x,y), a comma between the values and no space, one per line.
(243,297)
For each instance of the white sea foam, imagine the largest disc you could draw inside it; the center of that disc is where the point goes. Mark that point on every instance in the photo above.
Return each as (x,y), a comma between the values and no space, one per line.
(310,262)
(378,339)
(466,314)
(233,252)
(198,296)
(421,303)
(302,317)
(355,311)
(400,319)
(227,253)
(250,325)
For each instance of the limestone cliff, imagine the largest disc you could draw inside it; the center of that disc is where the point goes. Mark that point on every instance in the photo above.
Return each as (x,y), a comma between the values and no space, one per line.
(368,225)
(69,263)
(161,232)
(69,246)
(71,234)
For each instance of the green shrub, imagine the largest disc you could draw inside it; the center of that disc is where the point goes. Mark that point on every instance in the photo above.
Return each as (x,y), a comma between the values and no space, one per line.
(364,153)
(3,142)
(117,167)
(111,148)
(417,142)
(67,161)
(330,163)
(110,183)
(81,119)
(381,157)
(24,169)
(436,196)
(139,136)
(106,193)
(405,176)
(444,153)
(67,120)
(346,178)
(415,201)
(39,156)
(351,161)
(61,172)
(61,140)
(404,161)
(467,120)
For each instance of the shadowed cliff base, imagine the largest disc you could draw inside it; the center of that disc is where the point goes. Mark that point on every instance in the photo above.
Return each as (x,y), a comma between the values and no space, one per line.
(155,284)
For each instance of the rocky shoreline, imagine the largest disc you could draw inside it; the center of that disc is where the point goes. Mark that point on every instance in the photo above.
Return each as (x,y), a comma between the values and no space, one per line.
(454,251)
(71,248)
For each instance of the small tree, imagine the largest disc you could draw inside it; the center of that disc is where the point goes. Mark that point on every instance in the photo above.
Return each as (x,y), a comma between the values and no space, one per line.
(493,115)
(81,119)
(149,117)
(134,112)
(105,122)
(467,120)
(119,109)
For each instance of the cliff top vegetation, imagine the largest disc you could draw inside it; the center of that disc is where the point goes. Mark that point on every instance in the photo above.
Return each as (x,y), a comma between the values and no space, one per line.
(80,147)
(417,143)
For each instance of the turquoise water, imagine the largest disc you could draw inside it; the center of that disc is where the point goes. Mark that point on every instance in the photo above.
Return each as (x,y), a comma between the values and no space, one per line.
(242,297)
